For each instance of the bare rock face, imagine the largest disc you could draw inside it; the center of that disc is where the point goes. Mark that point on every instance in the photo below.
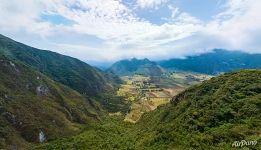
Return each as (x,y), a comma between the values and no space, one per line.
(14,67)
(42,137)
(42,90)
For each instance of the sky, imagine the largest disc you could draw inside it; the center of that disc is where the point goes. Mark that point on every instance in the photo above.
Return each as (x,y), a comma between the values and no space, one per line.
(104,31)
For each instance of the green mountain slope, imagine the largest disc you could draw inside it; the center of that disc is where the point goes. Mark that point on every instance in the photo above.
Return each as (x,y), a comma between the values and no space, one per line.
(215,62)
(31,103)
(64,69)
(211,115)
(136,66)
(208,116)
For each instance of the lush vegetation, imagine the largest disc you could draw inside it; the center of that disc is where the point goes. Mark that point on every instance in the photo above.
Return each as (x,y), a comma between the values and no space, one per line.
(36,94)
(113,103)
(36,97)
(111,133)
(211,115)
(215,62)
(30,103)
(64,69)
(208,116)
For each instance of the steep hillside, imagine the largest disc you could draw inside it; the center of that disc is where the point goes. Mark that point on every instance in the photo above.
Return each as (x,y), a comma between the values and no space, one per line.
(212,115)
(31,103)
(64,69)
(215,62)
(135,66)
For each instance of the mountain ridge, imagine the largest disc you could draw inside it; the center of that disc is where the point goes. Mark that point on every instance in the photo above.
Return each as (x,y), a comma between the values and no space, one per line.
(214,62)
(136,66)
(211,115)
(64,69)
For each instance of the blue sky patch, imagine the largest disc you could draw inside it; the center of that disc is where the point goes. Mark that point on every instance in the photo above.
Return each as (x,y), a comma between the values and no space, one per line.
(57,20)
(201,9)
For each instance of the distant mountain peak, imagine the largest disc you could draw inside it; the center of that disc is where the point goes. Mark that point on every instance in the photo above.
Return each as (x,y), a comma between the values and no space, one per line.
(136,66)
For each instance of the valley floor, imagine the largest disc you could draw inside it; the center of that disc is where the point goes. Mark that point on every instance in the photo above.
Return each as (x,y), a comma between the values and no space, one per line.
(117,131)
(147,93)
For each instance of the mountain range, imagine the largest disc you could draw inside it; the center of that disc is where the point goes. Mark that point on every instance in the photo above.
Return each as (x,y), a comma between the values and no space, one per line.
(214,62)
(64,103)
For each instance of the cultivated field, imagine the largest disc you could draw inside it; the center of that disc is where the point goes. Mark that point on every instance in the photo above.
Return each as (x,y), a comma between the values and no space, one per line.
(147,93)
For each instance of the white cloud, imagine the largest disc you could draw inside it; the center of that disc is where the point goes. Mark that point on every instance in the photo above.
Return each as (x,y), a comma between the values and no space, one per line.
(150,3)
(23,15)
(238,27)
(124,34)
(122,30)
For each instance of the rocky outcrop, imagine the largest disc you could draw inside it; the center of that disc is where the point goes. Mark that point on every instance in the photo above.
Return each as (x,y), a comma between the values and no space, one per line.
(42,90)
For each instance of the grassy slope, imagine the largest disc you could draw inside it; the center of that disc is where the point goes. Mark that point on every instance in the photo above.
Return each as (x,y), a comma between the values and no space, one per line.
(211,115)
(64,69)
(208,116)
(58,111)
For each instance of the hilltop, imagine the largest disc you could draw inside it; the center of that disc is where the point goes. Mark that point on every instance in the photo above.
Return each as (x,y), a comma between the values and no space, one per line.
(136,66)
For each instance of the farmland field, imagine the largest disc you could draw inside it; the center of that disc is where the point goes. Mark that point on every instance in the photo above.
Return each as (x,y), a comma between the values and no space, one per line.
(147,93)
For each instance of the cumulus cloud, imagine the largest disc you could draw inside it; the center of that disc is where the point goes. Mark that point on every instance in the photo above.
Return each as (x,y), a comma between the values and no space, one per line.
(118,32)
(15,16)
(237,27)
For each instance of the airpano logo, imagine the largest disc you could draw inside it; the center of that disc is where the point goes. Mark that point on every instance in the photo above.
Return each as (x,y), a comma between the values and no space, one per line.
(244,143)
